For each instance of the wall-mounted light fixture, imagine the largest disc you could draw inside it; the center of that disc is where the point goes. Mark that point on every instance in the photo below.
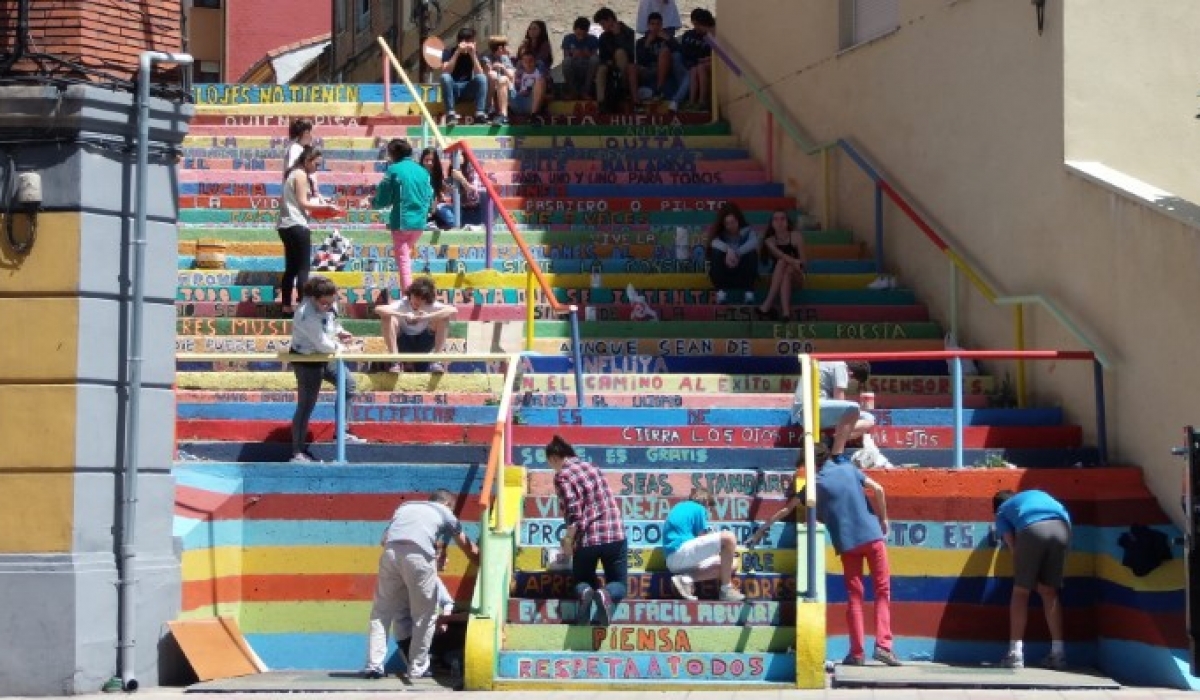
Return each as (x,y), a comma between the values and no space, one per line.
(25,201)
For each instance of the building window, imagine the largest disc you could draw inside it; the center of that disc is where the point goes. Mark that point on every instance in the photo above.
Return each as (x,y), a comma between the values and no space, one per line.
(364,15)
(210,4)
(207,72)
(339,15)
(863,20)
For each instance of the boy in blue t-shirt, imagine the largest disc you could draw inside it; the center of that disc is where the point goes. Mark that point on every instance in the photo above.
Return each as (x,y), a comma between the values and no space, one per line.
(694,553)
(1037,528)
(581,56)
(858,531)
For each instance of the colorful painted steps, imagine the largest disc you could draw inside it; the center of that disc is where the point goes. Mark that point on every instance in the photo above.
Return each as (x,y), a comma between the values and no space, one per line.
(948,604)
(657,383)
(530,399)
(527,611)
(266,179)
(267,215)
(747,330)
(694,263)
(500,312)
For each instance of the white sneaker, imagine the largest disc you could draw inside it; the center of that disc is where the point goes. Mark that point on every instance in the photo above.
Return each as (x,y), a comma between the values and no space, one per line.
(352,439)
(730,594)
(1013,660)
(721,296)
(748,298)
(437,368)
(684,586)
(882,282)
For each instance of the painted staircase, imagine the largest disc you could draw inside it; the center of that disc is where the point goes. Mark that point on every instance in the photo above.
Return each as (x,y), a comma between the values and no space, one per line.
(701,394)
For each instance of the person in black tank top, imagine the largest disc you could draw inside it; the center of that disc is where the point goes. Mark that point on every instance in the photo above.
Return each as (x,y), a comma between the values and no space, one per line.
(784,246)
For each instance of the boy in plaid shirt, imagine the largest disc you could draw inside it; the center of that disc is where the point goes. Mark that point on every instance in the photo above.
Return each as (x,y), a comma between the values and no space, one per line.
(595,532)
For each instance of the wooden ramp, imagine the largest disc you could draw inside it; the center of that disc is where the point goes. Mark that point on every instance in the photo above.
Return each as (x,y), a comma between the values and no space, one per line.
(933,675)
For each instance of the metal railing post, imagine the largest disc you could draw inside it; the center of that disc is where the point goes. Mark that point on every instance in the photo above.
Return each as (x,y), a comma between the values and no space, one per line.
(1101,412)
(341,400)
(573,315)
(489,225)
(957,389)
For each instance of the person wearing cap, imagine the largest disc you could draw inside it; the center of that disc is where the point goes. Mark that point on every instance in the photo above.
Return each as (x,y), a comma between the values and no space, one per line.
(408,579)
(696,553)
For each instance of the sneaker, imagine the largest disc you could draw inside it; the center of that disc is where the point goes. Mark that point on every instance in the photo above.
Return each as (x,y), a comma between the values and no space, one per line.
(372,674)
(437,368)
(852,660)
(451,118)
(1055,661)
(722,296)
(1013,660)
(352,439)
(500,120)
(302,458)
(481,117)
(882,282)
(886,657)
(604,607)
(684,586)
(748,298)
(396,368)
(729,594)
(583,612)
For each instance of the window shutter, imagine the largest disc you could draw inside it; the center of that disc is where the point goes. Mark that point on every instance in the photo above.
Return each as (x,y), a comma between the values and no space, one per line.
(874,18)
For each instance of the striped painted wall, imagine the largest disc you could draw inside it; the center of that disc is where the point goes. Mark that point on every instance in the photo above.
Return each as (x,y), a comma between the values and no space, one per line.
(950,586)
(291,550)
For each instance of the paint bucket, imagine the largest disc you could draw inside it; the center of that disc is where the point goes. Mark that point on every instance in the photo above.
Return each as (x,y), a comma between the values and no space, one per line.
(866,400)
(210,255)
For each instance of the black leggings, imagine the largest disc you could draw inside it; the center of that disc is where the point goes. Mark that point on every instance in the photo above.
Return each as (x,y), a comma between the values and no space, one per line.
(297,254)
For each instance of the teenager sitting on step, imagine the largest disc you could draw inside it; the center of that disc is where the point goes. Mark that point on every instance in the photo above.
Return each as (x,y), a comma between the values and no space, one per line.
(418,322)
(732,254)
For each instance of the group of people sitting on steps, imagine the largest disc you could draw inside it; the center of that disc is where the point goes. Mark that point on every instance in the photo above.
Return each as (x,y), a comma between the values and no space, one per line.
(736,254)
(603,59)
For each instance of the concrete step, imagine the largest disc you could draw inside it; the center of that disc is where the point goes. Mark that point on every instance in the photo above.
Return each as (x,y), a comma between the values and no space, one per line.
(635,671)
(268,441)
(695,262)
(524,611)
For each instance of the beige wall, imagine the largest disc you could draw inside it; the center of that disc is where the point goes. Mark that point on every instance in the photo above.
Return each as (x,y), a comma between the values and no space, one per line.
(1131,80)
(963,108)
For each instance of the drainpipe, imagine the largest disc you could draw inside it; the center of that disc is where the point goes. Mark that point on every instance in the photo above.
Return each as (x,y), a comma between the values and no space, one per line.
(22,42)
(126,602)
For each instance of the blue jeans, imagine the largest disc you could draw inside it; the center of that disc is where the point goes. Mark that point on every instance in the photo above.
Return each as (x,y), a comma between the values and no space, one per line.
(453,90)
(682,77)
(613,557)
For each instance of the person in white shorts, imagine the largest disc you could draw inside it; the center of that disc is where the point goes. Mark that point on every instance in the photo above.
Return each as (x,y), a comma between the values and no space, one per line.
(846,417)
(694,553)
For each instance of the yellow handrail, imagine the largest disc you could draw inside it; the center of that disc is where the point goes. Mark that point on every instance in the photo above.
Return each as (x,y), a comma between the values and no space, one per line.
(412,90)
